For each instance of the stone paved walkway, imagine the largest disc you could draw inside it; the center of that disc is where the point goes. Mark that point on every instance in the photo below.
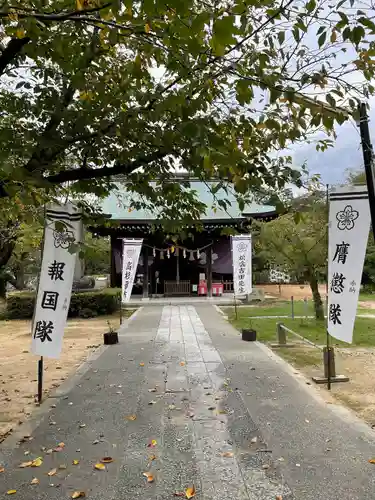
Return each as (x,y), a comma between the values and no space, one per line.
(228,417)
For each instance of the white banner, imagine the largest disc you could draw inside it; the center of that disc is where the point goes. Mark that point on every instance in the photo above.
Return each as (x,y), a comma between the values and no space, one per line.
(241,257)
(56,279)
(130,257)
(349,224)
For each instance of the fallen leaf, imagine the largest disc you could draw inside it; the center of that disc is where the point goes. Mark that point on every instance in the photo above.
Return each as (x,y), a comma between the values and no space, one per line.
(52,472)
(149,476)
(61,445)
(227,454)
(152,457)
(37,462)
(222,412)
(26,464)
(106,460)
(182,363)
(34,481)
(372,461)
(141,364)
(265,466)
(279,497)
(152,444)
(75,462)
(131,417)
(190,492)
(78,494)
(2,469)
(11,492)
(171,407)
(99,466)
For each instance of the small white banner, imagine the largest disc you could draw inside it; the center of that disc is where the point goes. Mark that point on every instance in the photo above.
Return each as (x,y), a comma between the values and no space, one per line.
(56,279)
(130,257)
(349,225)
(241,256)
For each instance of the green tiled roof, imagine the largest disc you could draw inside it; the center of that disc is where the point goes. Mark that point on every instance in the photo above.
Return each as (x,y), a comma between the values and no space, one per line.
(118,206)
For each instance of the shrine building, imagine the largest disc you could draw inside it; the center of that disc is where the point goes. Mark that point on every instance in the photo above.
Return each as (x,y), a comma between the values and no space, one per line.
(199,265)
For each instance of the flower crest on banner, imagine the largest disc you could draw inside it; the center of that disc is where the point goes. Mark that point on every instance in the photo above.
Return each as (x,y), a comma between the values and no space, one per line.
(346,218)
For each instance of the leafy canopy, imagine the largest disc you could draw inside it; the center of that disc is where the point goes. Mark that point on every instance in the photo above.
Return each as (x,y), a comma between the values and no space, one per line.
(95,88)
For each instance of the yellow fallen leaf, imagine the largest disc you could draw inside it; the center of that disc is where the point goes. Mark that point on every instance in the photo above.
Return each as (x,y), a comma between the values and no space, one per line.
(147,28)
(106,460)
(26,464)
(222,412)
(372,461)
(182,363)
(11,492)
(152,457)
(131,417)
(75,462)
(37,462)
(190,492)
(227,454)
(34,481)
(141,364)
(149,476)
(99,466)
(52,472)
(78,494)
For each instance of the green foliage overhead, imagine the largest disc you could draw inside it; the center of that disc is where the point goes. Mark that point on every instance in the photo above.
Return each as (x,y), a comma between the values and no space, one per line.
(94,88)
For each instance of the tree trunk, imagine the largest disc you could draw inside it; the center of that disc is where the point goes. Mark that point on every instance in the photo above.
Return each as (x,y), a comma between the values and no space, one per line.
(318,303)
(3,287)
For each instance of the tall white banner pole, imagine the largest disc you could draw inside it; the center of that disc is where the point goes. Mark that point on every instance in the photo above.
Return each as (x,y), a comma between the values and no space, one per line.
(130,258)
(349,225)
(62,229)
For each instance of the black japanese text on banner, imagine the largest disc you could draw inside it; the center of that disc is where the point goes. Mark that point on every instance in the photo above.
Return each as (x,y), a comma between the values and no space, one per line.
(130,257)
(56,279)
(241,255)
(349,225)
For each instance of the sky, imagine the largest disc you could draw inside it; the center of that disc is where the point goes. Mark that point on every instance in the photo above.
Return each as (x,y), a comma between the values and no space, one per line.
(334,163)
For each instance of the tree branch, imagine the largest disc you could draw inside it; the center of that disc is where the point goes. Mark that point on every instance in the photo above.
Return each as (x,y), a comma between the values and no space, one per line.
(41,16)
(14,47)
(97,173)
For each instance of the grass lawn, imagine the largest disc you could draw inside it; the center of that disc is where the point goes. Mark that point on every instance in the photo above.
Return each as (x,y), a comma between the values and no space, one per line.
(367,297)
(284,308)
(310,328)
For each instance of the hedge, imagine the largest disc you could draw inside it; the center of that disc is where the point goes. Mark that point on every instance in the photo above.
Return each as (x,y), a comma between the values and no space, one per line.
(82,304)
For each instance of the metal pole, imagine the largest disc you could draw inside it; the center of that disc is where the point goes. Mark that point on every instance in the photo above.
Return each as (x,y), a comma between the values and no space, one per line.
(235,304)
(327,314)
(40,379)
(120,310)
(292,299)
(367,160)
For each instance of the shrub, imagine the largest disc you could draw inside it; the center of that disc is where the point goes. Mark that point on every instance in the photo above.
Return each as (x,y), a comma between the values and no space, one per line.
(82,304)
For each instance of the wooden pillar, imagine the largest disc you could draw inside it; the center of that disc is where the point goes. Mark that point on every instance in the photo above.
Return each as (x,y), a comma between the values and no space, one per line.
(113,263)
(209,271)
(145,272)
